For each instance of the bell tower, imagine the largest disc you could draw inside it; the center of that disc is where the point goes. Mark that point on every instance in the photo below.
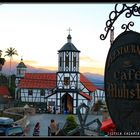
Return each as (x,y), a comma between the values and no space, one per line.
(20,72)
(68,76)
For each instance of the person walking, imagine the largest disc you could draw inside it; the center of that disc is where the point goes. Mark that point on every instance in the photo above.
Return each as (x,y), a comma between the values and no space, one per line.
(36,129)
(53,127)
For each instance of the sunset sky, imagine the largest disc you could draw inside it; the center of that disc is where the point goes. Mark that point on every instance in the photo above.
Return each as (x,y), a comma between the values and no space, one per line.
(38,31)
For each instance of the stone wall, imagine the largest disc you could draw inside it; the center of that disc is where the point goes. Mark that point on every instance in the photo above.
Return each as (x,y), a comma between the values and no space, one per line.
(22,122)
(22,113)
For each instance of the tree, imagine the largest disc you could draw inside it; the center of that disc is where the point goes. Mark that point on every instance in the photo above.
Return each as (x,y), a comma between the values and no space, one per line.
(97,106)
(2,60)
(10,52)
(0,53)
(3,80)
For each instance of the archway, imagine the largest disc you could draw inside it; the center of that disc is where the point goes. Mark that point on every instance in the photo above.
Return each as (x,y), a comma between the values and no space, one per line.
(67,104)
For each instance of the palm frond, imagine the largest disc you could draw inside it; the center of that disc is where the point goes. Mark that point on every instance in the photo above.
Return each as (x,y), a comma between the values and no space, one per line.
(10,52)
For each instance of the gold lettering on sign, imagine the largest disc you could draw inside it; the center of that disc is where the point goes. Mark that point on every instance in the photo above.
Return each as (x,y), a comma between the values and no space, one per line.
(130,74)
(129,88)
(124,92)
(121,51)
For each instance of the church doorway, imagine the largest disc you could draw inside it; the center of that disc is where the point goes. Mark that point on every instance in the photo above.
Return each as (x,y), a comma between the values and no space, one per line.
(67,104)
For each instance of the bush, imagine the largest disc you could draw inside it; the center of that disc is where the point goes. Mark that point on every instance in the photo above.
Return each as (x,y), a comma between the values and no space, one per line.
(70,123)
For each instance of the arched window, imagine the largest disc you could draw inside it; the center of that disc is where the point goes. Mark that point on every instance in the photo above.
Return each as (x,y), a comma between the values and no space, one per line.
(67,59)
(74,61)
(60,61)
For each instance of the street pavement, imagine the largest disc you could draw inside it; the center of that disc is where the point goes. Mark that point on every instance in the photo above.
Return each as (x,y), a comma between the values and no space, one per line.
(45,119)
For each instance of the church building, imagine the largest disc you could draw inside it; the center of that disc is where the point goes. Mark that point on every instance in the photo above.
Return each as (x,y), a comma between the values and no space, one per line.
(65,90)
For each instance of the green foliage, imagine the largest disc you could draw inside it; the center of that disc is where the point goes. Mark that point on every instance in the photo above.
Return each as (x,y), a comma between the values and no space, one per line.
(70,123)
(12,86)
(12,91)
(3,80)
(11,51)
(2,61)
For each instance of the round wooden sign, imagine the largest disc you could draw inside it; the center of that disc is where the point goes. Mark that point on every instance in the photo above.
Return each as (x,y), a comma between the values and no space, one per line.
(122,82)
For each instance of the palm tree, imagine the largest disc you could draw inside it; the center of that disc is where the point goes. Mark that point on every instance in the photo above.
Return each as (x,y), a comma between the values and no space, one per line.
(0,53)
(10,52)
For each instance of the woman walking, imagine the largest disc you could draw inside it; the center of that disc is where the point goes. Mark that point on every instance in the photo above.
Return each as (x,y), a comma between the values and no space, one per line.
(36,129)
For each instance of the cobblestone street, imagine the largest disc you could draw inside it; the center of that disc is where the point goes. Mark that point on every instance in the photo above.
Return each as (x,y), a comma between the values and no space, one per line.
(44,120)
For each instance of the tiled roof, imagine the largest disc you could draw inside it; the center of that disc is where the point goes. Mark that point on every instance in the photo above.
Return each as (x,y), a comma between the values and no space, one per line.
(4,90)
(85,95)
(89,85)
(38,80)
(42,76)
(48,80)
(69,47)
(29,83)
(21,65)
(100,88)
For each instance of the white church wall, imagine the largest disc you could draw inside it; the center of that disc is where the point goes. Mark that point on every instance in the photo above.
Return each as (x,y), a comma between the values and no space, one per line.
(52,97)
(80,97)
(58,102)
(62,94)
(74,96)
(35,94)
(58,95)
(70,94)
(74,103)
(74,110)
(42,100)
(83,88)
(22,99)
(24,94)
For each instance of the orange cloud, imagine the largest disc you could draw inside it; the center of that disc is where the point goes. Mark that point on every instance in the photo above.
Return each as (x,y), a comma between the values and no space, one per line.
(83,69)
(49,68)
(87,59)
(31,62)
(95,70)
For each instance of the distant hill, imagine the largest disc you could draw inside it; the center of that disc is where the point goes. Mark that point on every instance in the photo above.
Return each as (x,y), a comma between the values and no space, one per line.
(96,79)
(6,68)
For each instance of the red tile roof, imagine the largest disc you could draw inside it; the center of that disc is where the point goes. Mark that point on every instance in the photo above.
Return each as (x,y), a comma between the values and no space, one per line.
(89,85)
(48,80)
(4,91)
(100,88)
(38,80)
(85,95)
(42,76)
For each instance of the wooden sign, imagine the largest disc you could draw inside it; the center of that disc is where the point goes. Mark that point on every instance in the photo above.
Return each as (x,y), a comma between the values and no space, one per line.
(122,82)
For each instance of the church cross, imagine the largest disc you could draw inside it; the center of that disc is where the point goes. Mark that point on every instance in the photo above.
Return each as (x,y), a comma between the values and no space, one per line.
(69,30)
